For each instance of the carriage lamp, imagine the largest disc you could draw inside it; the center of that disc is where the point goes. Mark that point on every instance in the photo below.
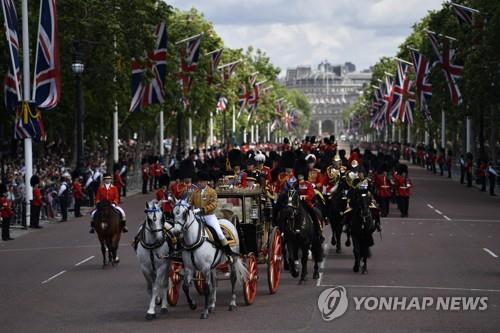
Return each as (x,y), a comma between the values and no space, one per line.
(77,66)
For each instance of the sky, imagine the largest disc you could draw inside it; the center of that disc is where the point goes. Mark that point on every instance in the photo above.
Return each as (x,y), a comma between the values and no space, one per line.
(306,32)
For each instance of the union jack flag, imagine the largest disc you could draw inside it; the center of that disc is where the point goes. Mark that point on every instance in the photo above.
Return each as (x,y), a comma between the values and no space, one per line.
(424,87)
(290,120)
(152,92)
(388,97)
(447,61)
(229,70)
(221,104)
(243,98)
(12,88)
(404,99)
(215,58)
(277,116)
(464,14)
(189,63)
(377,109)
(253,101)
(47,79)
(29,123)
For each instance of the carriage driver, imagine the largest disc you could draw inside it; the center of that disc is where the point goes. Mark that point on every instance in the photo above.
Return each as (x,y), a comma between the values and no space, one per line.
(204,202)
(109,192)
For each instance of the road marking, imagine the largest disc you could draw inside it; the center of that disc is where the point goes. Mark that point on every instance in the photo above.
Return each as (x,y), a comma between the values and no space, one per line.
(84,261)
(48,248)
(490,252)
(438,211)
(447,218)
(53,277)
(430,206)
(415,287)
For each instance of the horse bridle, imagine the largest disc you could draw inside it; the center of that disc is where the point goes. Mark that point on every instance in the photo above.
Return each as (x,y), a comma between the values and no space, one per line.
(149,220)
(185,226)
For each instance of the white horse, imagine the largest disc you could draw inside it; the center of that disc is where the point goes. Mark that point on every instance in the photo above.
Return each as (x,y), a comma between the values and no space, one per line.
(201,255)
(152,251)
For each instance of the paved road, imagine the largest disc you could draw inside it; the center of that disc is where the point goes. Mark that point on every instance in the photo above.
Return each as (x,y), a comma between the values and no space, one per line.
(447,247)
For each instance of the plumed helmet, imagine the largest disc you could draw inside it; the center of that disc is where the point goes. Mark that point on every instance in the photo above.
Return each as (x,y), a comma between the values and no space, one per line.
(288,159)
(187,170)
(203,176)
(307,139)
(235,157)
(34,180)
(260,157)
(300,168)
(313,139)
(333,174)
(163,180)
(311,158)
(286,141)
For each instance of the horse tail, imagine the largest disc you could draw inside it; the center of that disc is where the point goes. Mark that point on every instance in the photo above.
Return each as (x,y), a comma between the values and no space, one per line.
(240,270)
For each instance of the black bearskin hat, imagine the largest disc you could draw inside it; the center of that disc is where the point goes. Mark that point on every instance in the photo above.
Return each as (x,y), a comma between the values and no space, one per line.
(288,159)
(286,141)
(186,170)
(203,176)
(164,180)
(34,180)
(403,168)
(300,168)
(235,157)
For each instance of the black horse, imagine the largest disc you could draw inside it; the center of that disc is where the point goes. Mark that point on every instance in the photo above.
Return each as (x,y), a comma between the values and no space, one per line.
(300,234)
(362,223)
(336,206)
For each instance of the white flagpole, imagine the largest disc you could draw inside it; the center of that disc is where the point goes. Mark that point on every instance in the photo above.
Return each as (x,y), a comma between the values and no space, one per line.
(211,128)
(115,133)
(257,133)
(190,124)
(443,129)
(269,132)
(162,130)
(28,151)
(468,135)
(234,120)
(252,132)
(408,133)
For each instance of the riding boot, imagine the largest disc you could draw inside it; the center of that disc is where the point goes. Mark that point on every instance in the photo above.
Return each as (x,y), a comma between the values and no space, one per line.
(124,226)
(227,250)
(92,227)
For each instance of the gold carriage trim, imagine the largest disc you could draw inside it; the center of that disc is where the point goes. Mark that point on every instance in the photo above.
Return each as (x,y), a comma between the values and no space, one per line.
(230,237)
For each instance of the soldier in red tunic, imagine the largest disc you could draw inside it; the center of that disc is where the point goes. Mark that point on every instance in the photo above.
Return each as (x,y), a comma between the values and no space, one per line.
(109,192)
(36,203)
(383,190)
(403,186)
(77,195)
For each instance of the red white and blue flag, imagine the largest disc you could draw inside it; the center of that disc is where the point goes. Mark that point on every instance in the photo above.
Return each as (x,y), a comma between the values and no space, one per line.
(447,60)
(229,70)
(424,87)
(215,58)
(290,120)
(254,99)
(404,99)
(153,91)
(47,79)
(388,97)
(277,116)
(242,99)
(12,86)
(465,15)
(189,63)
(221,104)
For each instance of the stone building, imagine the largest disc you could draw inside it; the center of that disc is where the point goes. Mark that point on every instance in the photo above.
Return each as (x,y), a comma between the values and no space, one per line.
(331,89)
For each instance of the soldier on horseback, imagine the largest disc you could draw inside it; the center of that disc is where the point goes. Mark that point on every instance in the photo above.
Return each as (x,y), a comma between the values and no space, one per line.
(109,192)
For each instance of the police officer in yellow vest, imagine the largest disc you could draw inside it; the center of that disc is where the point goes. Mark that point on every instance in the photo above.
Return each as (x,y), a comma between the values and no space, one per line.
(204,202)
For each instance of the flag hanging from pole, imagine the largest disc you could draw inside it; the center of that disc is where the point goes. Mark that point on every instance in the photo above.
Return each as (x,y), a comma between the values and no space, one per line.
(424,87)
(228,70)
(221,104)
(215,57)
(452,70)
(12,82)
(152,92)
(243,99)
(404,99)
(388,97)
(47,79)
(189,56)
(465,15)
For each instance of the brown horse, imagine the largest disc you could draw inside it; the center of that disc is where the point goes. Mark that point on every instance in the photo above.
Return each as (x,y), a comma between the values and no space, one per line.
(109,230)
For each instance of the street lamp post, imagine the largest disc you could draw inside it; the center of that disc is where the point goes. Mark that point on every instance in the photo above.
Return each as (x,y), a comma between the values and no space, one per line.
(78,67)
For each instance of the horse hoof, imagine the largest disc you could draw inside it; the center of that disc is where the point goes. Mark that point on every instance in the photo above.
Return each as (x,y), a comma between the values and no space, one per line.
(150,316)
(164,310)
(364,270)
(232,308)
(204,315)
(193,306)
(316,275)
(355,269)
(211,309)
(347,243)
(333,241)
(117,260)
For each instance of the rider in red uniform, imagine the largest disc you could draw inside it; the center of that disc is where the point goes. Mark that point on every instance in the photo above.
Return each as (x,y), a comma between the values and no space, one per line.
(109,192)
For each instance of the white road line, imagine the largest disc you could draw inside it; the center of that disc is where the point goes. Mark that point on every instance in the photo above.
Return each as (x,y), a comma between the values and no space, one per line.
(53,277)
(84,260)
(415,287)
(490,252)
(430,206)
(446,217)
(438,211)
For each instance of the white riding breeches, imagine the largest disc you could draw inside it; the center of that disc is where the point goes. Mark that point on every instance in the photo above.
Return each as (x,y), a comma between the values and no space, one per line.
(212,221)
(118,208)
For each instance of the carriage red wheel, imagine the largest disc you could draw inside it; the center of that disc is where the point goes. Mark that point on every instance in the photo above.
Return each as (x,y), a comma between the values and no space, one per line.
(199,283)
(250,286)
(275,258)
(174,283)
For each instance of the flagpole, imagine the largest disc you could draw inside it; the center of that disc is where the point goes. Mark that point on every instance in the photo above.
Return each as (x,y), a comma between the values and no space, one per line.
(244,134)
(443,129)
(252,134)
(211,128)
(190,129)
(28,148)
(408,133)
(162,129)
(268,132)
(468,135)
(234,122)
(257,133)
(115,133)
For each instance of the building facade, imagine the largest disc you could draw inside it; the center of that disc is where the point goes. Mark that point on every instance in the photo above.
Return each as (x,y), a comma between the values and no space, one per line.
(331,89)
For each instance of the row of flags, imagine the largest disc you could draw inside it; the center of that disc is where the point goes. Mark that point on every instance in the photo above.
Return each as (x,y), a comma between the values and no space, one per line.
(46,92)
(395,100)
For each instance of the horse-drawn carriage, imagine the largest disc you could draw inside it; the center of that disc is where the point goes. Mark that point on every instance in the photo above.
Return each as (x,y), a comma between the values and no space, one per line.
(260,242)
